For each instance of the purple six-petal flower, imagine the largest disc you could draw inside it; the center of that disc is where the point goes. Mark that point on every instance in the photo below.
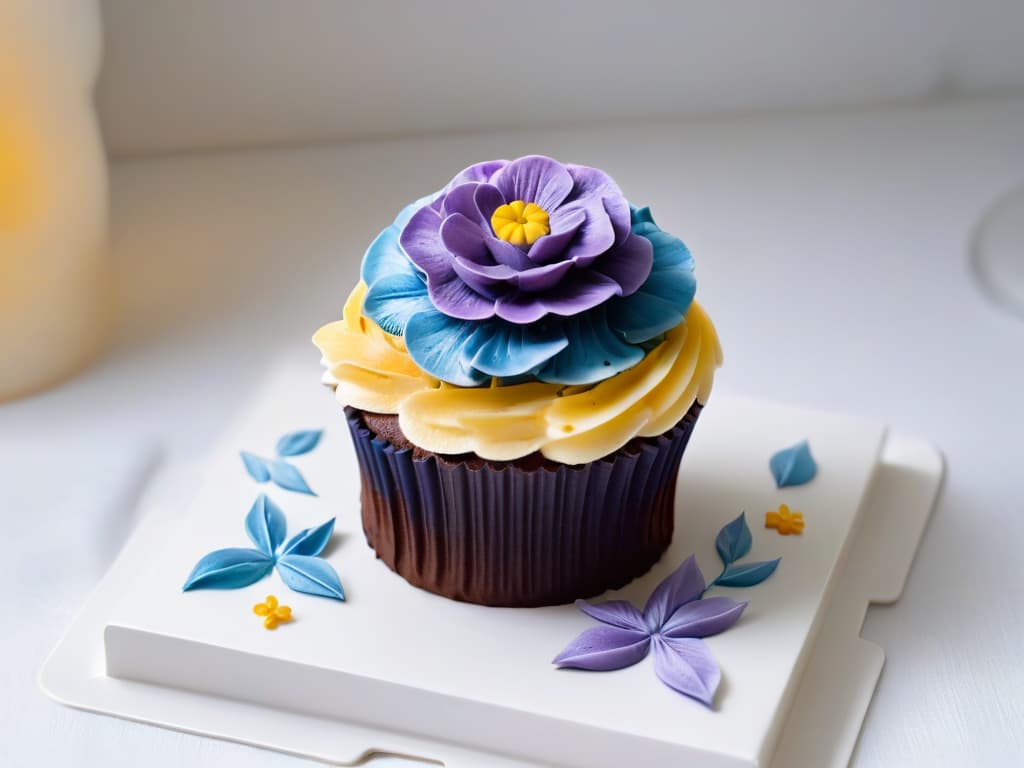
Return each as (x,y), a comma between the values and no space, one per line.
(673,622)
(589,255)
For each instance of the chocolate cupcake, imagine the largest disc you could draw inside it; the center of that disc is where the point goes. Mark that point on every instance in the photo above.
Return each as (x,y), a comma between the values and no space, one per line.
(522,365)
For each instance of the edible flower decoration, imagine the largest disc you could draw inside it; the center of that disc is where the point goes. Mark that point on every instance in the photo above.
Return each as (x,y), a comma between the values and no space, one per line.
(273,613)
(673,623)
(527,269)
(283,473)
(785,521)
(297,560)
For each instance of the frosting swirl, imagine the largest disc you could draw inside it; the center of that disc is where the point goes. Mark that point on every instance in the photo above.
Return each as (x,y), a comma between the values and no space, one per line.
(371,370)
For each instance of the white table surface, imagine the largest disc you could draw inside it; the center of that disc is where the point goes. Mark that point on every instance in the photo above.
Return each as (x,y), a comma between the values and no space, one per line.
(831,252)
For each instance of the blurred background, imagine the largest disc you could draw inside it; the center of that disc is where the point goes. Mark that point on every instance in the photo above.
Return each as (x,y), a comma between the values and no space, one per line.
(193,182)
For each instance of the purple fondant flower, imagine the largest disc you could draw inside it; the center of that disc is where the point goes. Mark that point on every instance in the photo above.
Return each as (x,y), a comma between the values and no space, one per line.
(676,617)
(673,623)
(523,239)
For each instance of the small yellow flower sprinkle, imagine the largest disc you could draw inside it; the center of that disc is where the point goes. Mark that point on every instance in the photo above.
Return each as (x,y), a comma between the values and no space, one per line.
(272,612)
(785,521)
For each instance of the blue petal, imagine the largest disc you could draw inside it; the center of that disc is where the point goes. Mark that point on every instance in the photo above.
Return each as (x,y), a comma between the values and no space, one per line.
(310,541)
(594,352)
(229,569)
(793,465)
(505,349)
(662,301)
(256,467)
(747,574)
(393,299)
(298,443)
(734,540)
(310,575)
(385,256)
(435,342)
(288,477)
(266,525)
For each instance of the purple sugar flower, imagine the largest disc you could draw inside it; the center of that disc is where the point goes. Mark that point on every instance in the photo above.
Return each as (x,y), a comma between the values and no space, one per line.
(673,623)
(523,239)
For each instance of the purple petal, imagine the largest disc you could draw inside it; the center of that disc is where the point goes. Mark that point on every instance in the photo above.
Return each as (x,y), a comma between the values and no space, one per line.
(543,278)
(535,179)
(686,665)
(615,613)
(464,238)
(565,223)
(595,235)
(580,291)
(506,253)
(684,585)
(488,199)
(520,308)
(486,279)
(421,240)
(628,264)
(477,172)
(456,299)
(591,182)
(462,199)
(703,618)
(602,649)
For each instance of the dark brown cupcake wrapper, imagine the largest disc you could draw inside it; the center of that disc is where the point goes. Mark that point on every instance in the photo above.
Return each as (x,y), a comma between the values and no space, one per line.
(497,533)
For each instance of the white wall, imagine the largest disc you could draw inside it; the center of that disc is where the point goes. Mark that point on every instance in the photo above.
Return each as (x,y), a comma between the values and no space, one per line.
(207,73)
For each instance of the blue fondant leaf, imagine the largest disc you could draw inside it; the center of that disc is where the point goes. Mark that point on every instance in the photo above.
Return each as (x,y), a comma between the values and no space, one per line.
(229,569)
(311,541)
(311,575)
(734,540)
(288,477)
(747,574)
(256,467)
(266,524)
(793,465)
(298,443)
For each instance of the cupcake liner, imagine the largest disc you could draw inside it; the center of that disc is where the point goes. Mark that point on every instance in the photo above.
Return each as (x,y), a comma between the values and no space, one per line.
(519,533)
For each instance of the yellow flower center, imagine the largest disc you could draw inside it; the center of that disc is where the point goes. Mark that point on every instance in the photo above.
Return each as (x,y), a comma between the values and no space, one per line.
(520,223)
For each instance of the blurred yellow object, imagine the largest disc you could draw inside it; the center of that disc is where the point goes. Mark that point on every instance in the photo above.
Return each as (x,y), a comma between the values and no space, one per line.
(53,189)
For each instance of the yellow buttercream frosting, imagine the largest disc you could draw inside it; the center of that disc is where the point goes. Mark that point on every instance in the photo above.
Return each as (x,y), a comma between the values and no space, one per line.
(372,371)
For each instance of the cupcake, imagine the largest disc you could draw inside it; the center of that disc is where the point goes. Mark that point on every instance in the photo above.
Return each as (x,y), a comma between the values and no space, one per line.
(521,365)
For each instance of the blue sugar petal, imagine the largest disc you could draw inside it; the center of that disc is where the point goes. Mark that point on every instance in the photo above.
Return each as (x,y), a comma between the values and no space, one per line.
(287,476)
(310,575)
(393,299)
(266,524)
(747,574)
(229,569)
(435,343)
(793,465)
(385,255)
(298,443)
(594,352)
(498,348)
(734,540)
(256,467)
(311,541)
(662,301)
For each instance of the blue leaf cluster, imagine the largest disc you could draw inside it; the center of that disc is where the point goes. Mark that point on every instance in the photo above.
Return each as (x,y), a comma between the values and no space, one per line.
(283,473)
(297,559)
(733,543)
